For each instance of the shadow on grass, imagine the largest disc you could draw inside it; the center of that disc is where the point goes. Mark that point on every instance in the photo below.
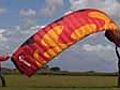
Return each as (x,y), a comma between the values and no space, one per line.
(78,87)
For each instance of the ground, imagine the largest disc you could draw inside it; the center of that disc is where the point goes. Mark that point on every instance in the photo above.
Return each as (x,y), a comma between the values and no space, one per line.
(60,82)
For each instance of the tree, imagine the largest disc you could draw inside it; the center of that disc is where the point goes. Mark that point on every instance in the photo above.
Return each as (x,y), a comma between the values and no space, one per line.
(55,69)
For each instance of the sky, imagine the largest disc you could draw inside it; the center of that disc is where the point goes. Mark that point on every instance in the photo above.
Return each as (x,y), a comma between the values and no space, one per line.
(19,19)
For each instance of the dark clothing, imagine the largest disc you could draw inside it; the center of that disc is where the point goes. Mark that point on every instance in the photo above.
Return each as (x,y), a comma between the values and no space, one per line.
(2,78)
(118,55)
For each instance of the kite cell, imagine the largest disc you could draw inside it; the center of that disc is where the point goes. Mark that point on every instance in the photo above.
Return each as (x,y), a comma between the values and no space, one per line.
(53,39)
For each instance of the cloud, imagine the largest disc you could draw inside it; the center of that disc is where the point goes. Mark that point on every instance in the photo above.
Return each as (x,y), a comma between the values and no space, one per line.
(28,22)
(87,57)
(100,51)
(2,31)
(12,37)
(35,27)
(2,11)
(52,6)
(109,6)
(97,48)
(2,38)
(28,12)
(28,17)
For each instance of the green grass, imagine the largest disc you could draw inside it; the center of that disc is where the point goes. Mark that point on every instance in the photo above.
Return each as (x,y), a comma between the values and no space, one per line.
(60,82)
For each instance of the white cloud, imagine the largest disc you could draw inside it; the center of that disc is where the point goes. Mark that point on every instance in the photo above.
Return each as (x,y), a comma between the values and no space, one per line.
(51,7)
(28,12)
(87,57)
(35,27)
(2,11)
(103,52)
(12,37)
(100,51)
(2,31)
(97,48)
(28,22)
(109,6)
(29,17)
(2,38)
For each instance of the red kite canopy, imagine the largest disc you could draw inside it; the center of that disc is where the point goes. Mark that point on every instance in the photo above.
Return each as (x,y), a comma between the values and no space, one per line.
(48,42)
(4,58)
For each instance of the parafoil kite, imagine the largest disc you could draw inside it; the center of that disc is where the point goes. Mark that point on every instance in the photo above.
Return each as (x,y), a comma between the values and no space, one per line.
(51,40)
(4,58)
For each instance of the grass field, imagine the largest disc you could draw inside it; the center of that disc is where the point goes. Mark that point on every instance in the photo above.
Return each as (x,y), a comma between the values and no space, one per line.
(60,82)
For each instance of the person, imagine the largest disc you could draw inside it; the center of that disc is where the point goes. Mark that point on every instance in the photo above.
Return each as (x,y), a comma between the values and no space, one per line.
(3,58)
(2,78)
(118,55)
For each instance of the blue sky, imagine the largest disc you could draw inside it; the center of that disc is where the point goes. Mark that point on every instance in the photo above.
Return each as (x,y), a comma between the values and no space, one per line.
(16,10)
(19,19)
